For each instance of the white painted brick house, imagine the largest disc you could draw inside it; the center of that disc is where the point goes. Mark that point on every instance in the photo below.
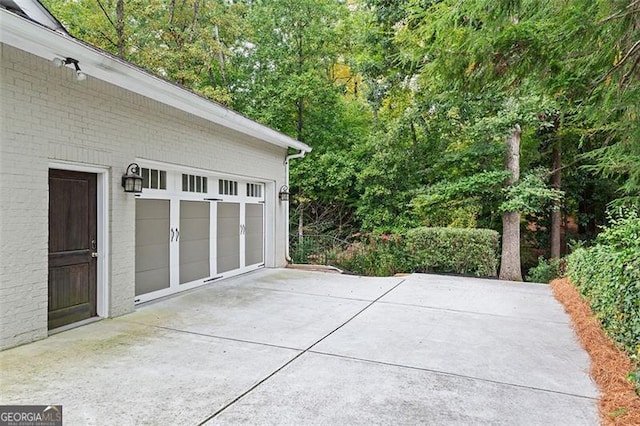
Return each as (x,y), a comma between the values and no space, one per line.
(73,245)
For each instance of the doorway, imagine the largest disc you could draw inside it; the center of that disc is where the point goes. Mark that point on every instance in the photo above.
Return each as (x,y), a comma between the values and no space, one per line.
(72,282)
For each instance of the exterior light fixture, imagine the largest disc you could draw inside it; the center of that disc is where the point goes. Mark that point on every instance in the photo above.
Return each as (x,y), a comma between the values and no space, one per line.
(131,180)
(59,63)
(284,193)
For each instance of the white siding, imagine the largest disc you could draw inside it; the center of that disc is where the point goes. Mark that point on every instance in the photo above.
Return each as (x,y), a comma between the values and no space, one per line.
(49,116)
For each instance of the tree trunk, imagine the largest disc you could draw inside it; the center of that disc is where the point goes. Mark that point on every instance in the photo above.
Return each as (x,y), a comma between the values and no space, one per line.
(196,12)
(172,12)
(120,28)
(556,213)
(220,55)
(510,264)
(300,118)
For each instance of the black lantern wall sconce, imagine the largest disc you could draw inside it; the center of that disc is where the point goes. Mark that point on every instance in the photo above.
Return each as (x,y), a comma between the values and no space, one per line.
(284,193)
(131,180)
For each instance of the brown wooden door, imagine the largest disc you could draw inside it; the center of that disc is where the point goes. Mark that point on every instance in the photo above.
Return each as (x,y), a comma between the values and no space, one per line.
(72,244)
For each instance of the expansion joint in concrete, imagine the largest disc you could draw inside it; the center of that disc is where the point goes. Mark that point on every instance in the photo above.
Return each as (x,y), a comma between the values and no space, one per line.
(462,311)
(461,376)
(282,367)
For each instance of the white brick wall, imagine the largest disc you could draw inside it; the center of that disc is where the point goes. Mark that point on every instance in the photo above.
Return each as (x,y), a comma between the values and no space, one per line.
(49,116)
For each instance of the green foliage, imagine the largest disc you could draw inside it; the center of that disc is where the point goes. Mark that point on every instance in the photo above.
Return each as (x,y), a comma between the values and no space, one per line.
(186,42)
(479,184)
(531,194)
(623,232)
(377,255)
(457,203)
(284,71)
(407,103)
(612,109)
(534,60)
(546,270)
(450,203)
(439,250)
(453,250)
(608,275)
(453,213)
(287,79)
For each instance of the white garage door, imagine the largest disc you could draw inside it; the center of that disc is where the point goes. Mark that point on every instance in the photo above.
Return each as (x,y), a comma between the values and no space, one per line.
(194,228)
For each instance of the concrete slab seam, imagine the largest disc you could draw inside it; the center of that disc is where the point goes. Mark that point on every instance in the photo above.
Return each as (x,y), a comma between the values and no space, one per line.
(282,367)
(433,308)
(213,336)
(313,294)
(494,281)
(462,376)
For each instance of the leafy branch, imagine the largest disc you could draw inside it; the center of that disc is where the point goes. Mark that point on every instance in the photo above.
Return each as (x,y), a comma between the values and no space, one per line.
(531,194)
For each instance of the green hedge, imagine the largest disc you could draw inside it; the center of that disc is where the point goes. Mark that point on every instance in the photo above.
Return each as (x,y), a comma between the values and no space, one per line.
(374,255)
(608,276)
(453,250)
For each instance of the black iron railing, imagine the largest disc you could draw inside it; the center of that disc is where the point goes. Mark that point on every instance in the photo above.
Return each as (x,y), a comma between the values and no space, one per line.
(316,249)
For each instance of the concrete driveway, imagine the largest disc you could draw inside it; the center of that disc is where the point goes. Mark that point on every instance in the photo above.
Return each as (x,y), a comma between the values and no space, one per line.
(298,347)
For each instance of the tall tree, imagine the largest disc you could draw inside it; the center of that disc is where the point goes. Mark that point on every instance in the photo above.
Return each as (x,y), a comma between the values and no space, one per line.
(484,49)
(287,62)
(409,104)
(294,77)
(612,108)
(510,264)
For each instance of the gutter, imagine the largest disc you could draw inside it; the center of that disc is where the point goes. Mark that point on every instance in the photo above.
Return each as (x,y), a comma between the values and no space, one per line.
(300,154)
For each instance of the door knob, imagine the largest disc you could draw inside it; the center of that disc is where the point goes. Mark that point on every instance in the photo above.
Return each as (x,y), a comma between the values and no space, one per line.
(94,254)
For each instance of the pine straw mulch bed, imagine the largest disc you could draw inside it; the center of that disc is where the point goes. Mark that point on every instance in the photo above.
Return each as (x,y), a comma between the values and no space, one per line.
(619,404)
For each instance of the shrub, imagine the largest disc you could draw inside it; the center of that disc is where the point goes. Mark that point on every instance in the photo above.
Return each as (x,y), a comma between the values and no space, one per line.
(453,250)
(546,270)
(608,276)
(440,250)
(376,255)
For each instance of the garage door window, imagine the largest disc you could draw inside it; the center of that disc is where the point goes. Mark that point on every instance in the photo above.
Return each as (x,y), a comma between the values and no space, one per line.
(194,183)
(227,187)
(254,190)
(154,178)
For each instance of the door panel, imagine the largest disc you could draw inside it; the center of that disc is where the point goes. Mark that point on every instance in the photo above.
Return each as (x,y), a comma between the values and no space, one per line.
(72,240)
(195,219)
(228,239)
(152,245)
(254,234)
